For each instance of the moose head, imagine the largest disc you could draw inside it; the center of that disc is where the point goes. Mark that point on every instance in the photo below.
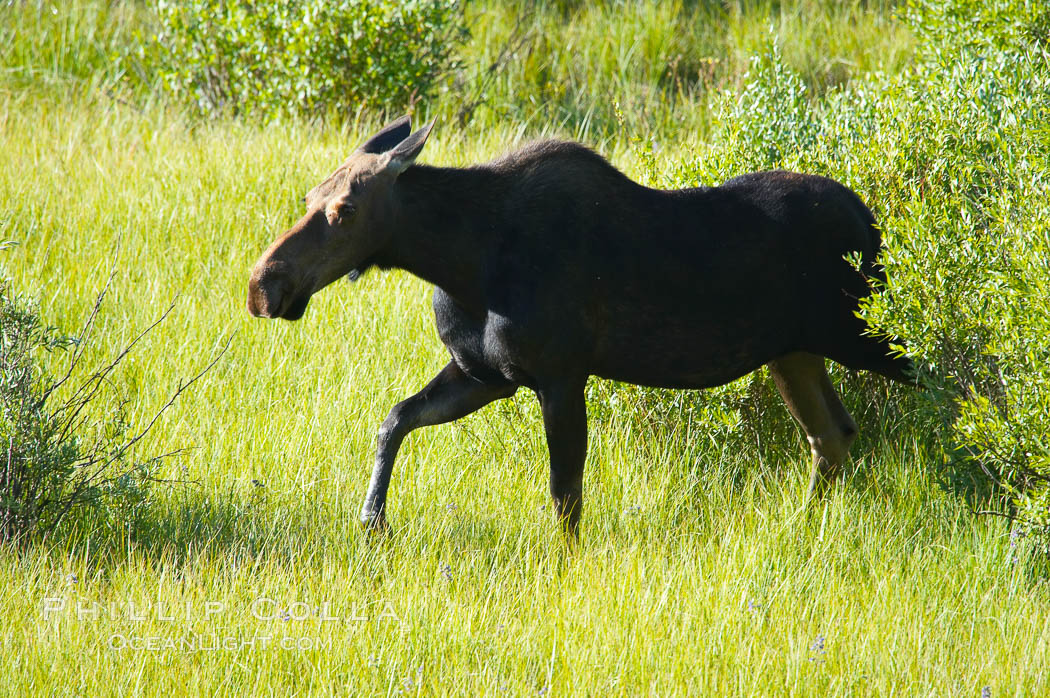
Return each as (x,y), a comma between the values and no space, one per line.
(348,221)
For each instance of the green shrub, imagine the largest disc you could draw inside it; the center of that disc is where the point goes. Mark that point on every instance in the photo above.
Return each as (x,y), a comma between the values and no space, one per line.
(968,239)
(770,118)
(67,449)
(302,57)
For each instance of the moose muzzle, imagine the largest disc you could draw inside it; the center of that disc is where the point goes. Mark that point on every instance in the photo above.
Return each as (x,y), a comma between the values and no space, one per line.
(273,293)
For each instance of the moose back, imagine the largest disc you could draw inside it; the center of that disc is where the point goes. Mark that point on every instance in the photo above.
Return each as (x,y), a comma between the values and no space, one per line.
(551,266)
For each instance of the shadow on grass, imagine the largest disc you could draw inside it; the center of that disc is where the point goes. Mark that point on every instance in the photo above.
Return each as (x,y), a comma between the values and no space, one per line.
(193,522)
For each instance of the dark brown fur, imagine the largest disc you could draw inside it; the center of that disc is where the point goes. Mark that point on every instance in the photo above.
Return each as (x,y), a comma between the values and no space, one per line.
(551,266)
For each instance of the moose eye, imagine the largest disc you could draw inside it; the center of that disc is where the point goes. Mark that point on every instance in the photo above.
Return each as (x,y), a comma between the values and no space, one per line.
(340,213)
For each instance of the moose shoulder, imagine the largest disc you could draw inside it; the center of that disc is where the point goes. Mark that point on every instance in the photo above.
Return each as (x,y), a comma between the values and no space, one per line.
(551,266)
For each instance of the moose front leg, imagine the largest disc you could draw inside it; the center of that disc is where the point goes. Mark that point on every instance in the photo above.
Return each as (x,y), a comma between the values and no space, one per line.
(565,422)
(451,395)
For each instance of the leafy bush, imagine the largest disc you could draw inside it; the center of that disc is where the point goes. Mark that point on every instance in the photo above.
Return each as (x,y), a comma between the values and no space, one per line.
(66,445)
(771,118)
(969,239)
(302,56)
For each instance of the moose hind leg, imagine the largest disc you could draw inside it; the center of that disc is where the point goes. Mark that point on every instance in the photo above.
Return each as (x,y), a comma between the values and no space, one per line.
(565,423)
(803,382)
(451,395)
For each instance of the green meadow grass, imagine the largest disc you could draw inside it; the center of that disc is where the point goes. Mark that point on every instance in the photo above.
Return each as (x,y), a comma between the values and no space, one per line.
(529,67)
(572,63)
(697,575)
(700,571)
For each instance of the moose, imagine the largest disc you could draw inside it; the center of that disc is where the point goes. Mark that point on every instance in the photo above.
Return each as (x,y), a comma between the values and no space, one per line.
(550,266)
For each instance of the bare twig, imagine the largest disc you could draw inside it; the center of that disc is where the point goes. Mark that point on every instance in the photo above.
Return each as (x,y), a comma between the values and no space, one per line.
(78,344)
(101,465)
(178,391)
(94,382)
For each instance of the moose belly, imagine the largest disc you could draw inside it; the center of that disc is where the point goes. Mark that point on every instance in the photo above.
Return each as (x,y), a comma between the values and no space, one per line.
(673,370)
(673,345)
(693,353)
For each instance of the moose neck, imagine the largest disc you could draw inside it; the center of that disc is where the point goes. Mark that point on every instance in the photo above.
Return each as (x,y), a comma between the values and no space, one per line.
(441,218)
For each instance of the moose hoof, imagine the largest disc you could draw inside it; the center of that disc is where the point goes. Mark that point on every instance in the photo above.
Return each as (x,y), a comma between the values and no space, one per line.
(820,481)
(569,523)
(374,521)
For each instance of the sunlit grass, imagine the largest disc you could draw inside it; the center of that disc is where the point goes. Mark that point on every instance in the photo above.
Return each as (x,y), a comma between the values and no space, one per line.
(699,573)
(560,66)
(700,570)
(571,63)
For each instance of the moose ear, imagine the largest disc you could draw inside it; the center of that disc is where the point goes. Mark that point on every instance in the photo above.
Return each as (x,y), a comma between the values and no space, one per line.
(390,136)
(406,151)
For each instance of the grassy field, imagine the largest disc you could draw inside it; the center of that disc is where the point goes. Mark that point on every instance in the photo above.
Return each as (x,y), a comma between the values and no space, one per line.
(700,571)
